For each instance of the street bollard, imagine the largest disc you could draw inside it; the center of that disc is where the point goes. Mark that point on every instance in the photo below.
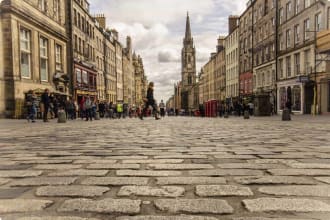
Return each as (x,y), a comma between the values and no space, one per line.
(61,117)
(286,115)
(97,116)
(246,115)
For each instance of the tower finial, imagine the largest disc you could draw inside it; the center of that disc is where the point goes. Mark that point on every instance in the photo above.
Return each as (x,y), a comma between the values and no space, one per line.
(188,30)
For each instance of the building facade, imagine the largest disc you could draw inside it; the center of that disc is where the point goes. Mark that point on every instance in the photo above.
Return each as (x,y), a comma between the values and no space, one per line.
(220,71)
(300,68)
(232,60)
(264,49)
(188,70)
(246,34)
(128,74)
(33,51)
(110,68)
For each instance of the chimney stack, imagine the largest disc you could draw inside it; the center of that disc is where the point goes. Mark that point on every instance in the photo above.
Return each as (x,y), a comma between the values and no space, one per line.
(100,18)
(221,43)
(232,23)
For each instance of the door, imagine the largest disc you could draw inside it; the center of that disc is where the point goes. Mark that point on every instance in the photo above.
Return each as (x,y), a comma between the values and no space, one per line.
(309,97)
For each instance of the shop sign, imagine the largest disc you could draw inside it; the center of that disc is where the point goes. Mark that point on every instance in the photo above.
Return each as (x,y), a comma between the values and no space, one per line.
(302,79)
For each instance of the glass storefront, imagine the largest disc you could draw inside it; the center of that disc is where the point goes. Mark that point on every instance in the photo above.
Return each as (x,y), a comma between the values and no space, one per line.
(282,97)
(292,92)
(296,98)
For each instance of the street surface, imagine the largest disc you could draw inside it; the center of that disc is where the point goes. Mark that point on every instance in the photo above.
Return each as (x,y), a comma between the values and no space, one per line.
(178,168)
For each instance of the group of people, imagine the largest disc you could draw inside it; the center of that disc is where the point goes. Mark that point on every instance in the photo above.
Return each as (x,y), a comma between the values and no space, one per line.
(89,108)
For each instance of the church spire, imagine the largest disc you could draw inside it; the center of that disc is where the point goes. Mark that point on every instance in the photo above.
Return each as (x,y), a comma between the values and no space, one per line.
(188,30)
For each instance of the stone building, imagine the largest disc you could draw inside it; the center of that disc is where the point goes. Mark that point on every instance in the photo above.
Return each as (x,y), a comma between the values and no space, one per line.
(264,49)
(129,75)
(140,80)
(232,60)
(119,71)
(110,68)
(84,50)
(220,71)
(246,34)
(300,68)
(33,49)
(188,71)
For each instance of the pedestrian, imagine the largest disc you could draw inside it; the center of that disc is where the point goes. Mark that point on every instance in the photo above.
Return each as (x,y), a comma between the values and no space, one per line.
(150,101)
(88,108)
(288,105)
(46,103)
(31,106)
(120,109)
(162,108)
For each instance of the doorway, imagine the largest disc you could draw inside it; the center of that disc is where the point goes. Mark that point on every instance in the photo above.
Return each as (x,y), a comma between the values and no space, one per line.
(309,97)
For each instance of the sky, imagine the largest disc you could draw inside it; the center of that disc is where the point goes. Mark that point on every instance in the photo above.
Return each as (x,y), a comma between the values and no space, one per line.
(157,30)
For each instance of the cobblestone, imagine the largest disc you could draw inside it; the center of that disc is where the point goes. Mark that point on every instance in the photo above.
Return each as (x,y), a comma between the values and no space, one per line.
(223,190)
(125,206)
(283,169)
(71,191)
(23,205)
(286,205)
(164,191)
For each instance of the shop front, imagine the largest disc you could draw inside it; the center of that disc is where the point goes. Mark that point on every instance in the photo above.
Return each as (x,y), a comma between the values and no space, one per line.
(85,83)
(300,94)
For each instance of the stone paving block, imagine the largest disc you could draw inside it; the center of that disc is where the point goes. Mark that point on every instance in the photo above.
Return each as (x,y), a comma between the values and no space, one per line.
(168,217)
(309,165)
(300,172)
(58,153)
(56,218)
(242,157)
(113,166)
(182,166)
(43,181)
(115,181)
(3,181)
(272,161)
(71,191)
(23,205)
(183,156)
(160,161)
(250,166)
(147,173)
(57,167)
(164,191)
(226,172)
(93,161)
(323,179)
(263,218)
(45,161)
(80,172)
(319,191)
(250,180)
(285,205)
(214,206)
(12,193)
(222,190)
(128,157)
(19,173)
(190,180)
(125,206)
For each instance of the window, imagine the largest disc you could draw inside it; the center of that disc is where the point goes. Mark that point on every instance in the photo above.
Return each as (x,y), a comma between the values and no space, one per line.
(281,15)
(296,34)
(43,48)
(282,94)
(297,6)
(288,38)
(25,52)
(58,54)
(84,77)
(306,29)
(78,75)
(297,63)
(42,4)
(318,22)
(288,10)
(288,66)
(281,41)
(307,3)
(296,98)
(75,42)
(75,17)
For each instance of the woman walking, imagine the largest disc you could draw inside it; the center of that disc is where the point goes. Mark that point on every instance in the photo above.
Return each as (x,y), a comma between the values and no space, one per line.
(150,101)
(31,106)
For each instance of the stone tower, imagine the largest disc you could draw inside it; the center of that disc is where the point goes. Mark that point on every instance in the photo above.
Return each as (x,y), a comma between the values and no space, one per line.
(188,72)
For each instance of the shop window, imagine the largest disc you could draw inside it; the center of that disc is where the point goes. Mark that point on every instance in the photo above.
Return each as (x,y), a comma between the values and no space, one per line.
(25,49)
(296,98)
(43,44)
(84,77)
(78,75)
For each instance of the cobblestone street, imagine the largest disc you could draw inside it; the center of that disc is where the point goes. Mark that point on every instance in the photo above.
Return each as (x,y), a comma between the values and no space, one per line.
(178,168)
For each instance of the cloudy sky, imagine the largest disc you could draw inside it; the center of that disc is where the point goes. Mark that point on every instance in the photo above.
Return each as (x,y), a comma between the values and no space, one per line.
(157,29)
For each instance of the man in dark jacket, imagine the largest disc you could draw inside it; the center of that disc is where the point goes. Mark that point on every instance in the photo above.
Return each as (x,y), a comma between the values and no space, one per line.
(150,101)
(46,101)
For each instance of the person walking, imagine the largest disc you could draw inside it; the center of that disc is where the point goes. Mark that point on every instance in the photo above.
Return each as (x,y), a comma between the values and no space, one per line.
(162,108)
(88,108)
(150,101)
(31,106)
(46,102)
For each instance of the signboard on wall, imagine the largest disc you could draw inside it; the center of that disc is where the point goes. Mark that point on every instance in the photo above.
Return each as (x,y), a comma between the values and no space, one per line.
(302,79)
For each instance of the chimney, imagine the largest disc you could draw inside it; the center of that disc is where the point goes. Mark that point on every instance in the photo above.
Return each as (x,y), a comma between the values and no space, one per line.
(114,33)
(100,18)
(232,23)
(221,43)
